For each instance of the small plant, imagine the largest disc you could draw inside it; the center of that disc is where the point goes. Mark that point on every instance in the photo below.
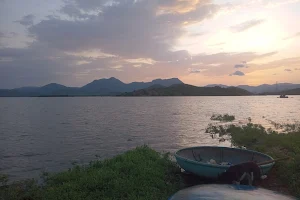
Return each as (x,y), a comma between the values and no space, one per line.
(216,129)
(285,127)
(223,118)
(3,179)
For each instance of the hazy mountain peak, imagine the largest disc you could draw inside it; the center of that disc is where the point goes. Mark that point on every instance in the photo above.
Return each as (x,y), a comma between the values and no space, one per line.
(167,82)
(52,85)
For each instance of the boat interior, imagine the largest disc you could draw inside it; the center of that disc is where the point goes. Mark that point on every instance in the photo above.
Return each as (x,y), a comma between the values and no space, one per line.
(222,154)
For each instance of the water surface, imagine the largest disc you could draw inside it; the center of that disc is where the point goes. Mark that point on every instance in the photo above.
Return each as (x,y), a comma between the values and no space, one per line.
(49,134)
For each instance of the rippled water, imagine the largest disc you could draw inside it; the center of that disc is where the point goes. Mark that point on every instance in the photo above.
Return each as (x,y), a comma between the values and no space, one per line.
(49,134)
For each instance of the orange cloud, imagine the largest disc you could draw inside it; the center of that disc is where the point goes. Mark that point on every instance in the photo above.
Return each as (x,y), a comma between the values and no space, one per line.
(181,6)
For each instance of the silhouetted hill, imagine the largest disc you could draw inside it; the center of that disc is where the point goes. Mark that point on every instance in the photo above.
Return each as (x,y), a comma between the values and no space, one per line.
(286,92)
(50,89)
(292,92)
(104,86)
(155,86)
(162,82)
(188,90)
(264,88)
(110,86)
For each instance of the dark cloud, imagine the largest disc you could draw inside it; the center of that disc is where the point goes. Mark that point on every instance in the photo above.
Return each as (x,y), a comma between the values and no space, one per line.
(120,31)
(243,65)
(287,70)
(13,34)
(31,66)
(8,35)
(237,73)
(117,27)
(27,20)
(246,25)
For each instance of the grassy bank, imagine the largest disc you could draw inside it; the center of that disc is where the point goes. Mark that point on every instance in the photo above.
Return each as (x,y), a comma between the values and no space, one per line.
(137,174)
(286,174)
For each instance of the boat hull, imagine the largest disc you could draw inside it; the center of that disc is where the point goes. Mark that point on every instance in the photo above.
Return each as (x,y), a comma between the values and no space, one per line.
(213,170)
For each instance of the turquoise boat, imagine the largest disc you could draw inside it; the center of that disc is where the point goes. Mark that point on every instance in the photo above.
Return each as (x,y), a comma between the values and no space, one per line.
(212,161)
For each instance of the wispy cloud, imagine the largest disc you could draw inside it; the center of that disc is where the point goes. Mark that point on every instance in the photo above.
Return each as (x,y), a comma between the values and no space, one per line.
(197,34)
(217,44)
(293,36)
(194,70)
(243,64)
(246,25)
(27,20)
(8,35)
(275,3)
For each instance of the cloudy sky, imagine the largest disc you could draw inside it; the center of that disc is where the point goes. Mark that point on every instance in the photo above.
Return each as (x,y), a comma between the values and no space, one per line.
(201,42)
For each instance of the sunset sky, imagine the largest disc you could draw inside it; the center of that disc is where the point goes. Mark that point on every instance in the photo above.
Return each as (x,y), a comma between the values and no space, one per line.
(73,42)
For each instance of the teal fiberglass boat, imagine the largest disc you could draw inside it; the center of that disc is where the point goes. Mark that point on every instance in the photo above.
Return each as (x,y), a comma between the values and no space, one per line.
(212,161)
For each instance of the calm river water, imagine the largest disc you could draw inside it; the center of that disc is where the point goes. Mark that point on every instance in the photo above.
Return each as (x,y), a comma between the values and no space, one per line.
(49,134)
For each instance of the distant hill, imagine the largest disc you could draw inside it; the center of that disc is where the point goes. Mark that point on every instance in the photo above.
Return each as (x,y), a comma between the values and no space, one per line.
(265,88)
(286,92)
(217,85)
(110,86)
(188,90)
(292,92)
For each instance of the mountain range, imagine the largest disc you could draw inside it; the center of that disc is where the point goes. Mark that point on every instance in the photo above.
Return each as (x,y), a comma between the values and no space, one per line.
(263,89)
(110,86)
(158,87)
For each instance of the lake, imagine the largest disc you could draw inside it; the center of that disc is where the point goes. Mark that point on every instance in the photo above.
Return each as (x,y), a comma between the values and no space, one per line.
(52,134)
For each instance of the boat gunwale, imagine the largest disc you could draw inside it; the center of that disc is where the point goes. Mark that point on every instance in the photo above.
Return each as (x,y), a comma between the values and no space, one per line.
(216,165)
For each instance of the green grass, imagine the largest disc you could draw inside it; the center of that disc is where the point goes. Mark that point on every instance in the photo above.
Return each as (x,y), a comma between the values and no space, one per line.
(223,118)
(141,173)
(268,141)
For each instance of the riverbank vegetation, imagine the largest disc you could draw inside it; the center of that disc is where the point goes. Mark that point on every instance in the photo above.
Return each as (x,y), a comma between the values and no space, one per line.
(223,118)
(141,173)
